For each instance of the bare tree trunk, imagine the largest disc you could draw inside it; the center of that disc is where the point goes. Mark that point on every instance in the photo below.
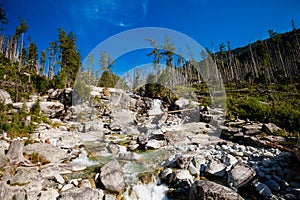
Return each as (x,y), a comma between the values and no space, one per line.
(2,38)
(253,62)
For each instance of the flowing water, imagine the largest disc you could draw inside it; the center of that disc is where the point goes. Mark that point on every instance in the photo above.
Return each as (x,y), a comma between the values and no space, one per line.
(147,163)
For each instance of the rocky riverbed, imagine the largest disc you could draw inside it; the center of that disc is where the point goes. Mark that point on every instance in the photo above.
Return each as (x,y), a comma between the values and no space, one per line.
(124,146)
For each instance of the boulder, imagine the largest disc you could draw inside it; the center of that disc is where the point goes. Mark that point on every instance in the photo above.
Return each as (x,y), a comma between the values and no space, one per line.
(50,152)
(47,107)
(82,193)
(5,97)
(49,194)
(240,175)
(273,185)
(111,177)
(209,190)
(270,128)
(153,144)
(55,94)
(263,190)
(183,174)
(25,175)
(51,108)
(63,139)
(184,160)
(10,192)
(215,167)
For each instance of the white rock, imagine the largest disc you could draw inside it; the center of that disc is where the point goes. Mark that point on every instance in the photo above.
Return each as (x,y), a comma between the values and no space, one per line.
(183,174)
(153,144)
(67,187)
(59,178)
(5,97)
(49,194)
(74,182)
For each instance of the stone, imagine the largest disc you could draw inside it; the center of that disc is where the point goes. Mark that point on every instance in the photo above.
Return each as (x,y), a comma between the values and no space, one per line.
(111,177)
(193,170)
(113,148)
(153,144)
(215,167)
(25,175)
(240,175)
(165,173)
(263,190)
(9,192)
(273,185)
(183,174)
(270,128)
(3,158)
(59,178)
(55,94)
(49,194)
(76,167)
(50,152)
(109,197)
(67,187)
(82,193)
(230,160)
(85,183)
(207,190)
(5,97)
(142,140)
(51,108)
(184,160)
(95,125)
(198,160)
(251,127)
(74,182)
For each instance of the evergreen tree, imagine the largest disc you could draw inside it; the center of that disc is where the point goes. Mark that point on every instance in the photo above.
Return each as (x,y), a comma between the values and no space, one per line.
(69,58)
(33,58)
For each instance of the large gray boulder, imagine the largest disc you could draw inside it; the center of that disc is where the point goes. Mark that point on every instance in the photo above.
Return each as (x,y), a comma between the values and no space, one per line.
(25,175)
(82,193)
(5,97)
(51,108)
(50,152)
(10,192)
(240,175)
(111,177)
(210,190)
(47,107)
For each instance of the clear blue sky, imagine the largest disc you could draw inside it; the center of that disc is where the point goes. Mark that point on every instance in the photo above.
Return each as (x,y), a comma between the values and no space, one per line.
(207,21)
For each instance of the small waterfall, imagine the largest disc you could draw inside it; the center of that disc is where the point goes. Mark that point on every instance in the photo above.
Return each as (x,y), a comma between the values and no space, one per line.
(155,109)
(151,191)
(83,159)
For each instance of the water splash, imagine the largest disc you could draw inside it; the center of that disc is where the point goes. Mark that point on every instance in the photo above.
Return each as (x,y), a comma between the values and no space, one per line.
(83,159)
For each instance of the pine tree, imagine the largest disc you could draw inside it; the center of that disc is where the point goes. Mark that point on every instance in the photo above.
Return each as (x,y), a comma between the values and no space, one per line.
(33,58)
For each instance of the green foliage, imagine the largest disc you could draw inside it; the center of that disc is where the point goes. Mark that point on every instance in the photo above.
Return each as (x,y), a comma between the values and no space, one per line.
(40,84)
(36,158)
(35,109)
(108,79)
(279,108)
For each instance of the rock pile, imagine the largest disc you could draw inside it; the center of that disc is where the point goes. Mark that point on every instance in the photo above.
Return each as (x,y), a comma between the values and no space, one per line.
(190,162)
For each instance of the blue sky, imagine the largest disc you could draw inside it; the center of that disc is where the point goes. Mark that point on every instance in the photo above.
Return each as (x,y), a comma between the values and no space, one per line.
(207,21)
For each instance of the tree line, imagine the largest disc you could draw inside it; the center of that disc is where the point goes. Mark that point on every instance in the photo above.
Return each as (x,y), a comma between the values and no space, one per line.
(274,60)
(56,66)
